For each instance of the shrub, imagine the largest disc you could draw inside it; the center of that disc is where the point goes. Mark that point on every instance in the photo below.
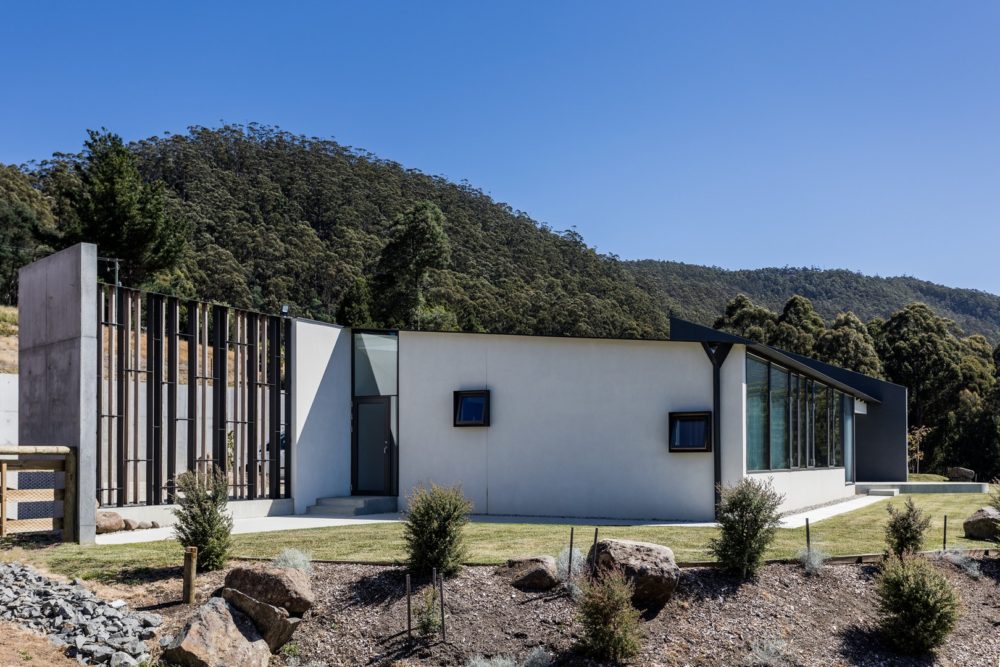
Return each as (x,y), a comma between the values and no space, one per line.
(562,565)
(748,518)
(812,560)
(611,629)
(904,533)
(428,620)
(433,529)
(963,562)
(537,658)
(995,494)
(202,519)
(917,605)
(294,559)
(768,653)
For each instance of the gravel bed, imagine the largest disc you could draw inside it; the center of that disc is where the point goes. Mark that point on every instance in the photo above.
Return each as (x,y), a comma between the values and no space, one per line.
(784,616)
(89,628)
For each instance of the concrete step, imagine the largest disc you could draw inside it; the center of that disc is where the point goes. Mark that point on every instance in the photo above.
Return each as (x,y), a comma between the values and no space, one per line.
(353,506)
(883,492)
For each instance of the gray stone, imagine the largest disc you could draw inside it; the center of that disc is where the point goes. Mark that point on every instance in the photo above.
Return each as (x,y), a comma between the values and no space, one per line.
(650,567)
(120,659)
(273,623)
(109,522)
(131,524)
(533,573)
(957,474)
(279,587)
(984,524)
(218,636)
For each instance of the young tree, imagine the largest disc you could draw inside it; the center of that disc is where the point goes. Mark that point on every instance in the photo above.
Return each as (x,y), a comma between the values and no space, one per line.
(417,244)
(124,216)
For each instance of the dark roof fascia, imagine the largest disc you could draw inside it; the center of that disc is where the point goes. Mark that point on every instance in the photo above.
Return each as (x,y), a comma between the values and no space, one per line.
(682,330)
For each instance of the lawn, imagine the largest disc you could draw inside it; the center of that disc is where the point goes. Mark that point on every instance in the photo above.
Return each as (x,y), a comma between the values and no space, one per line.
(858,532)
(925,477)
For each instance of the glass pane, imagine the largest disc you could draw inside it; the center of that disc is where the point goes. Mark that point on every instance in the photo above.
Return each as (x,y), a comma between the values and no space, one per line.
(793,421)
(822,427)
(471,409)
(757,435)
(689,433)
(373,442)
(375,364)
(836,442)
(779,418)
(849,437)
(809,423)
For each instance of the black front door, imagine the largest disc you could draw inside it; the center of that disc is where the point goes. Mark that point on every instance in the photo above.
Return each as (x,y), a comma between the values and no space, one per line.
(372,446)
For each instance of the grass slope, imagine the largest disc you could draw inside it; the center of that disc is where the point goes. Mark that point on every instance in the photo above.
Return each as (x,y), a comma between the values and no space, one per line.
(858,532)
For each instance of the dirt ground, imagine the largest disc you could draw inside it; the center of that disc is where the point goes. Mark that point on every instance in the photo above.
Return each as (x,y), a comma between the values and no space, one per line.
(783,618)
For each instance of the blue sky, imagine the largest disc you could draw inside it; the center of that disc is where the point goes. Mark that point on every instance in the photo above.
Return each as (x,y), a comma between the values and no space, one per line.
(862,135)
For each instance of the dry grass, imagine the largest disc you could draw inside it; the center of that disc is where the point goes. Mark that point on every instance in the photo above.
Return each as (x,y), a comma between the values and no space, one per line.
(8,339)
(858,532)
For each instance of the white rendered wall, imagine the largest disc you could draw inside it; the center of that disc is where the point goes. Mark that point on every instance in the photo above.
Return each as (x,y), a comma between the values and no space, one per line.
(579,426)
(806,488)
(321,412)
(8,409)
(734,423)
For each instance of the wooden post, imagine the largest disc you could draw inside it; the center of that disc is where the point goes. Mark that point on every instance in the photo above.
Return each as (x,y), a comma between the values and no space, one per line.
(69,497)
(444,635)
(944,545)
(569,570)
(190,566)
(3,499)
(808,540)
(409,612)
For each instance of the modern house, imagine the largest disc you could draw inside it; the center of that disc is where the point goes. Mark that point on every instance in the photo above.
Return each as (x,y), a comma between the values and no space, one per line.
(320,418)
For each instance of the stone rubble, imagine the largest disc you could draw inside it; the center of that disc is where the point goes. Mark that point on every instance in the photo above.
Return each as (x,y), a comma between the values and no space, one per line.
(92,630)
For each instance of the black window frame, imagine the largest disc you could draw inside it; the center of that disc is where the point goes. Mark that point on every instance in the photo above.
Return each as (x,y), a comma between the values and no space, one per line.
(471,393)
(702,415)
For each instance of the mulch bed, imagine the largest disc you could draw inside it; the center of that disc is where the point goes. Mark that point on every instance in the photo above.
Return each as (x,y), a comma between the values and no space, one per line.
(827,619)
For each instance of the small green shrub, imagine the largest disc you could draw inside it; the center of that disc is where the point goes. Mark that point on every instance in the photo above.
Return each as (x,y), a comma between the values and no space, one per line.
(435,519)
(611,629)
(963,562)
(918,606)
(994,500)
(428,621)
(748,519)
(202,519)
(295,560)
(768,653)
(812,560)
(537,658)
(904,533)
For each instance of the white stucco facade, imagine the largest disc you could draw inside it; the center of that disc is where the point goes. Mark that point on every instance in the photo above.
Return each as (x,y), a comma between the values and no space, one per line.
(321,412)
(8,409)
(578,426)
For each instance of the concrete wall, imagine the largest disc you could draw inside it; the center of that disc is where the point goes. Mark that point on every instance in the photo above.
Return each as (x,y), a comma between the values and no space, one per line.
(579,426)
(8,409)
(321,412)
(57,361)
(806,488)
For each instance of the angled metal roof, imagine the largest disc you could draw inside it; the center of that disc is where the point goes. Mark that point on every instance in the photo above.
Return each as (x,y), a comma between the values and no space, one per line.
(682,330)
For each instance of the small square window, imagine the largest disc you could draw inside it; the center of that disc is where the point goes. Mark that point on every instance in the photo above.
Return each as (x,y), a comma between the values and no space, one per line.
(472,408)
(690,432)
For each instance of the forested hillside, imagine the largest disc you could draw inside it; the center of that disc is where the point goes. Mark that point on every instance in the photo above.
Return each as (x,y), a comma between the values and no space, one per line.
(700,293)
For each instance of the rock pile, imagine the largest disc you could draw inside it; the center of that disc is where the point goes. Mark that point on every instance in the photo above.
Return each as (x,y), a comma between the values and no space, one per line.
(112,522)
(91,629)
(253,615)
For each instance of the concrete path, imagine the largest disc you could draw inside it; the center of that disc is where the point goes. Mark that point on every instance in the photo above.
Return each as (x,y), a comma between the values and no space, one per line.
(275,523)
(818,514)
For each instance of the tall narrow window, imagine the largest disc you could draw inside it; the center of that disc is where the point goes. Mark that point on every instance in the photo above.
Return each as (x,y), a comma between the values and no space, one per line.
(809,423)
(836,429)
(793,421)
(757,403)
(849,438)
(822,427)
(779,418)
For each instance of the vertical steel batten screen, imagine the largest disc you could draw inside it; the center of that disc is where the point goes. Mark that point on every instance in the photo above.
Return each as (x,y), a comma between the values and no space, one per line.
(186,385)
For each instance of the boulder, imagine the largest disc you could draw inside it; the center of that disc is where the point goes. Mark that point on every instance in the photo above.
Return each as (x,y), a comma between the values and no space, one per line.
(273,623)
(218,636)
(131,524)
(650,567)
(984,524)
(277,586)
(109,522)
(534,573)
(957,474)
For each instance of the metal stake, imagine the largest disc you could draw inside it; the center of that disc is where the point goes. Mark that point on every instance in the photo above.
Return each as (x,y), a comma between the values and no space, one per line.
(593,551)
(409,612)
(944,546)
(569,570)
(444,635)
(808,539)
